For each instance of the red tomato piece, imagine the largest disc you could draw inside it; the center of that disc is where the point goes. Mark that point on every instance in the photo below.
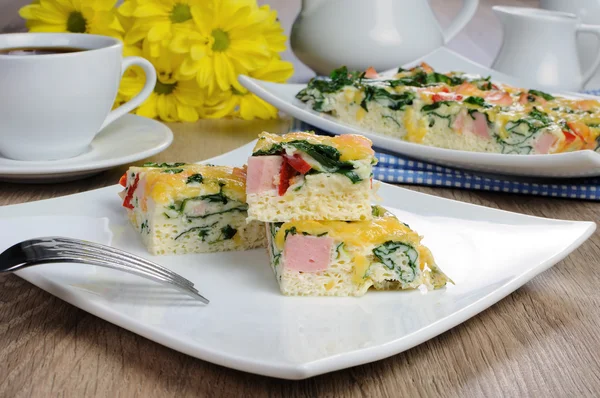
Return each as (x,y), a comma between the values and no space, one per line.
(371,73)
(569,137)
(285,174)
(446,97)
(130,191)
(123,180)
(297,163)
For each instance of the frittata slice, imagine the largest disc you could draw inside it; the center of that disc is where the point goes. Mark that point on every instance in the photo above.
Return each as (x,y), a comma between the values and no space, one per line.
(338,258)
(189,208)
(457,111)
(303,176)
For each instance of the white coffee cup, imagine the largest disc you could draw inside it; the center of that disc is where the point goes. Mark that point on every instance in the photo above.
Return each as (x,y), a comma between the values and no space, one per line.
(52,105)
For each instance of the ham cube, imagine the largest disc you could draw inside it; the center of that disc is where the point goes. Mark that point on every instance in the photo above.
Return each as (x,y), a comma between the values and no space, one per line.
(262,171)
(306,253)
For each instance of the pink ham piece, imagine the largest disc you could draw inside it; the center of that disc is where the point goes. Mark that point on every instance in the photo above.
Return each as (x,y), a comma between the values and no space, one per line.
(262,171)
(461,122)
(464,122)
(544,143)
(306,253)
(480,126)
(196,209)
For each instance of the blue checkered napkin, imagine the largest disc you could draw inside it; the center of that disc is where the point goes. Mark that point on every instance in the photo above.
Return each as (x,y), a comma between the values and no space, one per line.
(401,170)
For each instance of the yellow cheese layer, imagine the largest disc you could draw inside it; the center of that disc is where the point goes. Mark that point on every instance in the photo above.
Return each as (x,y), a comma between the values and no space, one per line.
(355,235)
(165,188)
(351,147)
(415,128)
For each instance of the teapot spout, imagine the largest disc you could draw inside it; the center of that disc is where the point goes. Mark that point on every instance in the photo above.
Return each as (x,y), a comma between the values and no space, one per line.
(309,6)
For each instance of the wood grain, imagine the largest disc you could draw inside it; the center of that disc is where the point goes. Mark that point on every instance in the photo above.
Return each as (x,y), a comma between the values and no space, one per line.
(542,340)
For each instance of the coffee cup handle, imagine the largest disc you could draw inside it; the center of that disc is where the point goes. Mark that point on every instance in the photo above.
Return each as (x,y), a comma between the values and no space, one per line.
(587,75)
(142,95)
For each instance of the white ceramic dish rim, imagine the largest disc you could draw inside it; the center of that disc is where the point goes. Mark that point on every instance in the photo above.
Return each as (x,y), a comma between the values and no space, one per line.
(53,167)
(316,367)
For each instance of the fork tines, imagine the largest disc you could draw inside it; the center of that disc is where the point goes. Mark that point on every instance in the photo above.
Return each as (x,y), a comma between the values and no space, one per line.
(60,249)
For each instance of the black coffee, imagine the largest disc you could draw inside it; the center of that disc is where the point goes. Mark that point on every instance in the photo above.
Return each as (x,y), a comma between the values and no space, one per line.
(39,50)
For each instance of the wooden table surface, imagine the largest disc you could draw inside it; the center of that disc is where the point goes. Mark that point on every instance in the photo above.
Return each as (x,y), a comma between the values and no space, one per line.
(542,340)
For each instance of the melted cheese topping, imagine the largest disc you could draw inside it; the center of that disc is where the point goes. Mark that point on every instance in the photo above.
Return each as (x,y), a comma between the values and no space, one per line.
(415,128)
(351,147)
(356,235)
(164,188)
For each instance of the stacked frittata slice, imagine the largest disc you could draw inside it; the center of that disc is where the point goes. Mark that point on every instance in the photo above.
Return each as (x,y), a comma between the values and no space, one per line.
(304,176)
(324,238)
(189,208)
(346,258)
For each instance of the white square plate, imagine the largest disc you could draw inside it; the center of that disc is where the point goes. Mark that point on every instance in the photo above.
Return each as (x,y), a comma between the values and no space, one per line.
(574,164)
(250,326)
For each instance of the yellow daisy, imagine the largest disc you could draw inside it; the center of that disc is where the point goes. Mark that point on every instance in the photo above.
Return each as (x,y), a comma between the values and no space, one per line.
(272,29)
(173,99)
(157,21)
(228,40)
(245,104)
(75,16)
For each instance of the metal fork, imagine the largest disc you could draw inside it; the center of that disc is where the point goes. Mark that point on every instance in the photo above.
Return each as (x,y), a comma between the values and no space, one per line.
(56,249)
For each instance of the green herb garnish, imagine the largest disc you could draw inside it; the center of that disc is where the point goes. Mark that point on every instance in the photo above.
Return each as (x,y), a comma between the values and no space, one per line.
(291,231)
(436,105)
(162,165)
(195,178)
(172,171)
(276,149)
(393,101)
(228,232)
(546,96)
(476,101)
(388,254)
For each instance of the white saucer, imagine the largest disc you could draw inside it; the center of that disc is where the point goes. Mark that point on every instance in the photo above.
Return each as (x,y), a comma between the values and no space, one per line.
(127,140)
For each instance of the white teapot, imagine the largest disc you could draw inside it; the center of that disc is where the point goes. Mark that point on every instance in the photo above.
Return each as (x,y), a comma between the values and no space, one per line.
(539,47)
(361,33)
(587,45)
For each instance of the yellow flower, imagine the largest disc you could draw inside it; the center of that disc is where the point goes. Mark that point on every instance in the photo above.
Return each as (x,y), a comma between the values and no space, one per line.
(173,99)
(227,40)
(76,16)
(157,21)
(272,29)
(245,104)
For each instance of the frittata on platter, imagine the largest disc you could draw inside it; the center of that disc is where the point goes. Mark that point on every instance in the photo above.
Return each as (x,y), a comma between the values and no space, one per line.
(190,208)
(457,111)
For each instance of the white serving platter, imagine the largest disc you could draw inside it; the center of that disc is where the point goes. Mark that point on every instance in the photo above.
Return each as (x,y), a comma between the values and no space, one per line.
(250,326)
(563,165)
